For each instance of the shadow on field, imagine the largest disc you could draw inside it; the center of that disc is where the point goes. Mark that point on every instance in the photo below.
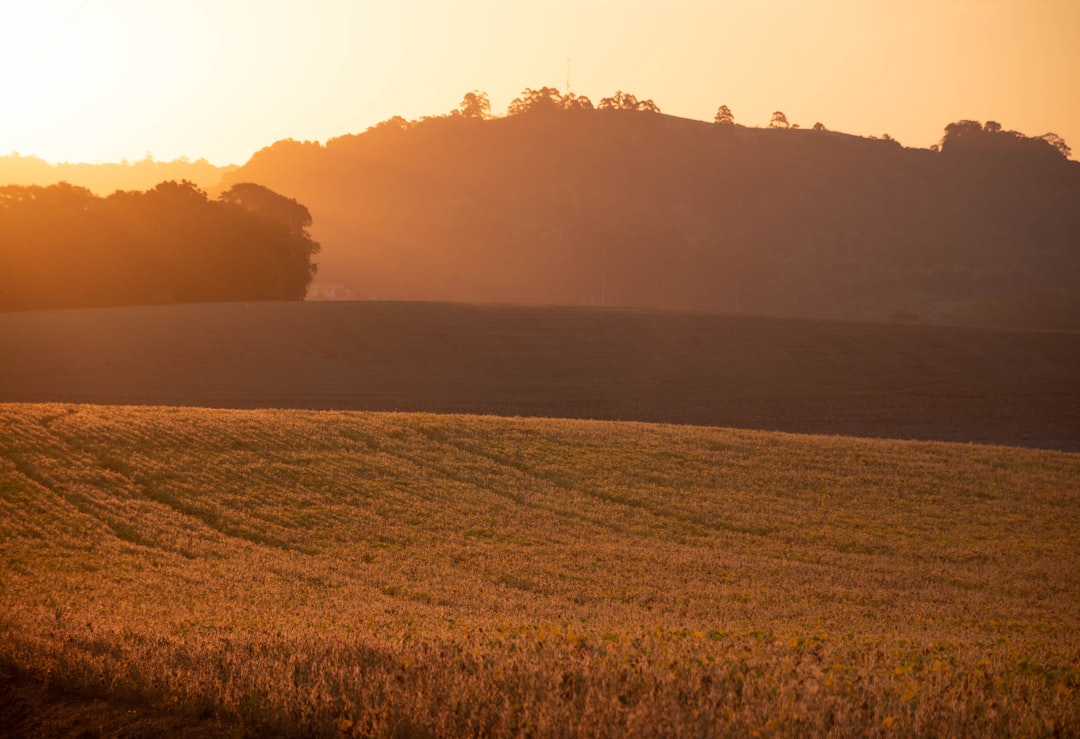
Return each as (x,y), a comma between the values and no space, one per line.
(29,709)
(903,381)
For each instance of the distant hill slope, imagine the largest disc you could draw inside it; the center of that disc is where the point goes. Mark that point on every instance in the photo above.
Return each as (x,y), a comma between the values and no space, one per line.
(643,209)
(105,179)
(816,376)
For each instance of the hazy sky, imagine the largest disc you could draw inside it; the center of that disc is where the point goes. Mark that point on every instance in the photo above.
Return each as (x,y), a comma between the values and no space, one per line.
(104,80)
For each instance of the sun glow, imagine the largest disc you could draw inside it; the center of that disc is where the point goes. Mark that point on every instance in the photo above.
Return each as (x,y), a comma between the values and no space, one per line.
(80,76)
(102,80)
(41,55)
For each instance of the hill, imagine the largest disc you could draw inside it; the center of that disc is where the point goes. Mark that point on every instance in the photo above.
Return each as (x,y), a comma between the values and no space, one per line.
(810,376)
(105,179)
(630,208)
(287,573)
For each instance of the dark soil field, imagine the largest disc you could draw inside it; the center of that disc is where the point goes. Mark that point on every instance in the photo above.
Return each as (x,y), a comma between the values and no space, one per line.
(904,381)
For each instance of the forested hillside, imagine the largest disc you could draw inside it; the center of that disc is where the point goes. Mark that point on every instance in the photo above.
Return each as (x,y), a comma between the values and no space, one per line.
(627,206)
(64,247)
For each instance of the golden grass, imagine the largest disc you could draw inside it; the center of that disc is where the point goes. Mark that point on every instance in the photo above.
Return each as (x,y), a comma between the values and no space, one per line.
(332,573)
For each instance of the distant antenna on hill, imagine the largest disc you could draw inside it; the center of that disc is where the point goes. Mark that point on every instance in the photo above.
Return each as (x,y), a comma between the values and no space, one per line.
(567,75)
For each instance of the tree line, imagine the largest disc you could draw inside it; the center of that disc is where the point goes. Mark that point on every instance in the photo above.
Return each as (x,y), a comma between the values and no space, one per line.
(959,136)
(62,246)
(476,105)
(106,177)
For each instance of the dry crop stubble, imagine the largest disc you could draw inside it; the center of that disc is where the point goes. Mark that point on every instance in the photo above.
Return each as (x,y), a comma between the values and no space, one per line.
(394,574)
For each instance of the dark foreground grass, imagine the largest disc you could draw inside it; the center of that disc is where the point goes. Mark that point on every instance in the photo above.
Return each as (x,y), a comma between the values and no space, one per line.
(320,573)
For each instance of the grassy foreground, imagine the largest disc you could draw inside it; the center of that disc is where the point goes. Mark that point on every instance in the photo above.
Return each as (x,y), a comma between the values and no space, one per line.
(325,573)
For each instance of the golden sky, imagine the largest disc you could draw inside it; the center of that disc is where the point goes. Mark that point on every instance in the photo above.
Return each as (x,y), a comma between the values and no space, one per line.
(105,80)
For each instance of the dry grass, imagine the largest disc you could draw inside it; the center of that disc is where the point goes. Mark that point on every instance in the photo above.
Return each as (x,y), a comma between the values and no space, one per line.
(389,574)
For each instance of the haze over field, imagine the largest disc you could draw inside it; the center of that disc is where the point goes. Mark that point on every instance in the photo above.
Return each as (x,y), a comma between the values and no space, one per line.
(856,218)
(562,204)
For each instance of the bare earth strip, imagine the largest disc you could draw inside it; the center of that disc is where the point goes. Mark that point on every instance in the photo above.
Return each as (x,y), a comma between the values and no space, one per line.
(827,377)
(266,573)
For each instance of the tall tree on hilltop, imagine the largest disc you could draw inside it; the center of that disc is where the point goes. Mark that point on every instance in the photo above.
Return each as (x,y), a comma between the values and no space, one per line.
(779,120)
(544,100)
(571,101)
(475,104)
(960,131)
(626,101)
(1058,143)
(395,124)
(972,136)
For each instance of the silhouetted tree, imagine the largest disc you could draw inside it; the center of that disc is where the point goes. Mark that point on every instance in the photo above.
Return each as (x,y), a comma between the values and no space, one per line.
(475,105)
(546,99)
(779,120)
(1058,143)
(972,136)
(820,127)
(959,132)
(293,271)
(62,246)
(571,101)
(397,123)
(724,116)
(264,201)
(625,101)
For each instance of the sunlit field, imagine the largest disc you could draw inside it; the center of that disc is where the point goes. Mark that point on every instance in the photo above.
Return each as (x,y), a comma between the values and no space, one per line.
(328,574)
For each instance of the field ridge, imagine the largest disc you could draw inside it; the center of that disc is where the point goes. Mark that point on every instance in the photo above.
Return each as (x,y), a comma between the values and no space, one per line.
(903,381)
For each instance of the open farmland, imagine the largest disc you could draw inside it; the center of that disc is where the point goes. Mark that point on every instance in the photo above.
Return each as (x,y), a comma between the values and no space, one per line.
(332,573)
(903,381)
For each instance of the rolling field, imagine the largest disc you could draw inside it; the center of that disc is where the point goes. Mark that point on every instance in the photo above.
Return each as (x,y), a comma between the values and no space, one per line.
(1017,388)
(230,572)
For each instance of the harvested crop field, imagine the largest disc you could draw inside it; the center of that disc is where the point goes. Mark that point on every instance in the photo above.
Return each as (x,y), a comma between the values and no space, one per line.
(1017,388)
(225,572)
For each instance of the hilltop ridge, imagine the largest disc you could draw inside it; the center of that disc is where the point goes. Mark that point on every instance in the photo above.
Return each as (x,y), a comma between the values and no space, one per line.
(621,207)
